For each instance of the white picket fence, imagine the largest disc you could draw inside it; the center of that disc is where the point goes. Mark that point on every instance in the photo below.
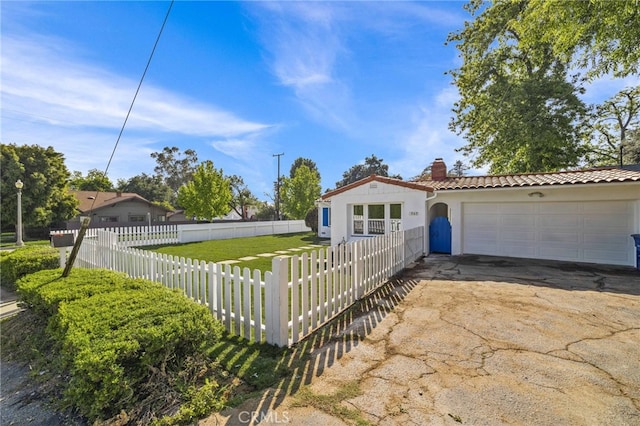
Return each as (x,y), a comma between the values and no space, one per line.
(299,294)
(134,236)
(139,236)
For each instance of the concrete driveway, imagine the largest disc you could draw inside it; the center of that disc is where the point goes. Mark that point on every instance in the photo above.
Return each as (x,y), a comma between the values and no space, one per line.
(471,340)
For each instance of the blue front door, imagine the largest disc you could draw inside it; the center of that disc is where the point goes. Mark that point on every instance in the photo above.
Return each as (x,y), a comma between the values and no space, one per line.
(440,235)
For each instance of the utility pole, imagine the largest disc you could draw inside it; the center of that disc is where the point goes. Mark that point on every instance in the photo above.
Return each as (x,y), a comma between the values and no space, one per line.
(278,187)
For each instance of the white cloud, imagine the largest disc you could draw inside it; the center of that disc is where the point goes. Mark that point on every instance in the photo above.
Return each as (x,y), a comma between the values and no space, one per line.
(304,44)
(429,138)
(51,97)
(308,48)
(38,80)
(239,149)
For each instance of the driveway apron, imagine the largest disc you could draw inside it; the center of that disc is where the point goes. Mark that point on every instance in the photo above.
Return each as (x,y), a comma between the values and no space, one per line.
(473,340)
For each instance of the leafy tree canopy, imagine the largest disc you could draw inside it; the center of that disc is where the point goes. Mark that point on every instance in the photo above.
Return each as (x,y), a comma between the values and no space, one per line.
(307,162)
(601,36)
(612,124)
(458,169)
(300,192)
(94,181)
(241,196)
(150,187)
(632,151)
(207,195)
(518,110)
(45,197)
(372,166)
(175,167)
(266,211)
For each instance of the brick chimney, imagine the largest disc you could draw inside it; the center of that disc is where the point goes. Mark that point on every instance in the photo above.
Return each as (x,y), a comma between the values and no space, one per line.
(438,170)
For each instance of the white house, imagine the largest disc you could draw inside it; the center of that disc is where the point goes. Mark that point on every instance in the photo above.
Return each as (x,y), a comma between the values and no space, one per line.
(583,216)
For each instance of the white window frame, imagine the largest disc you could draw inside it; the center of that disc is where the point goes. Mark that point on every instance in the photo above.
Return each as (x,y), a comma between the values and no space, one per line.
(387,223)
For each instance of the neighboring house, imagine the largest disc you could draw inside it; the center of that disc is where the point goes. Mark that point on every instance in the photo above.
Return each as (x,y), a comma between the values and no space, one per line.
(110,209)
(583,216)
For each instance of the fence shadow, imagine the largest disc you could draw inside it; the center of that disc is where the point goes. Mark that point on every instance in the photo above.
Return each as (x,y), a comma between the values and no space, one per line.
(310,357)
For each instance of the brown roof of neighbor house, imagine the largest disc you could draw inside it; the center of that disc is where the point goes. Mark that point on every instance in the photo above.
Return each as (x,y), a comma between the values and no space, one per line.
(391,181)
(103,199)
(602,175)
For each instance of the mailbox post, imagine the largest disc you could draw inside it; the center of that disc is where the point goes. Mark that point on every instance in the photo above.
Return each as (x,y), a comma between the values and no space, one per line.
(62,242)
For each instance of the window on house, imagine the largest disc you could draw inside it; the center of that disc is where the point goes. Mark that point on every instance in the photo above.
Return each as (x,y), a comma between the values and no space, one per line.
(137,218)
(358,219)
(395,212)
(376,218)
(108,218)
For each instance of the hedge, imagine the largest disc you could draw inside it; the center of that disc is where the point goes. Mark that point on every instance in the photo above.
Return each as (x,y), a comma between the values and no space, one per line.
(45,290)
(26,260)
(114,331)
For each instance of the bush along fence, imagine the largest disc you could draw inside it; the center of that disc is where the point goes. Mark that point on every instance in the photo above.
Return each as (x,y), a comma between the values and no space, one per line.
(299,294)
(138,236)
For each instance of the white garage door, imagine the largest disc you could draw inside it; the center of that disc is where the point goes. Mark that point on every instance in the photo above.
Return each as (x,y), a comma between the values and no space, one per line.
(596,232)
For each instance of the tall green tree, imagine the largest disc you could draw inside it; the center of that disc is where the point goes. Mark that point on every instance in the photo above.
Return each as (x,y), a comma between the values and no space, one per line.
(300,192)
(266,211)
(45,197)
(307,162)
(175,167)
(611,123)
(518,110)
(241,196)
(372,166)
(207,195)
(95,180)
(458,169)
(600,36)
(150,187)
(632,151)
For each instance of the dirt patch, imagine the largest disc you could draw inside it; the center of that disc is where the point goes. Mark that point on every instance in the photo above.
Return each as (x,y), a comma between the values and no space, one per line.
(23,400)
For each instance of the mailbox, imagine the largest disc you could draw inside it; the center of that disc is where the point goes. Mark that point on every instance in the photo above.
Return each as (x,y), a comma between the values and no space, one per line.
(62,240)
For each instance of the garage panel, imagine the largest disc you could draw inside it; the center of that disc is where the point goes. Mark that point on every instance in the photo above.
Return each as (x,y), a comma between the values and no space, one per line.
(595,231)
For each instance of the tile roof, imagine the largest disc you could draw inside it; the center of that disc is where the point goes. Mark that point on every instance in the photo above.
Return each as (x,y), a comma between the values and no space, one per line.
(420,186)
(602,175)
(104,199)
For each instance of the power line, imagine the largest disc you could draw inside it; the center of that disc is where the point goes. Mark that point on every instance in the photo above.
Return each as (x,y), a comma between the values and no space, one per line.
(133,101)
(85,222)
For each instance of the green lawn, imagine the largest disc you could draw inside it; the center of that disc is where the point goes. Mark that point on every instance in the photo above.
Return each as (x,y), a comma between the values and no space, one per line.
(8,239)
(219,250)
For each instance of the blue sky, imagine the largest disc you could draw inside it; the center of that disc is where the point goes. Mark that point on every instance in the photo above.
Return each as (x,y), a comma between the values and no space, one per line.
(237,82)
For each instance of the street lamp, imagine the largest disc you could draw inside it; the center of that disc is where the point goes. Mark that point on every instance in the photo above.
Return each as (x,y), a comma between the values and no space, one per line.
(19,186)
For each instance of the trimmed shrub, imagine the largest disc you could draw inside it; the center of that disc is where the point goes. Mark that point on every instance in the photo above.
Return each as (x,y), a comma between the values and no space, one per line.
(45,290)
(311,219)
(26,260)
(115,332)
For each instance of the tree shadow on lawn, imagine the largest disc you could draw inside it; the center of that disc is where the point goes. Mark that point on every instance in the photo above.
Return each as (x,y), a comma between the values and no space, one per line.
(309,358)
(310,237)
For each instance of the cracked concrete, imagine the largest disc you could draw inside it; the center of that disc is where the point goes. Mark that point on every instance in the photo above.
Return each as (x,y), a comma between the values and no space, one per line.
(478,340)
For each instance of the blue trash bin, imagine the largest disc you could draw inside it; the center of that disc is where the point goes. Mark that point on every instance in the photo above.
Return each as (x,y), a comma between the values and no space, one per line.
(636,239)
